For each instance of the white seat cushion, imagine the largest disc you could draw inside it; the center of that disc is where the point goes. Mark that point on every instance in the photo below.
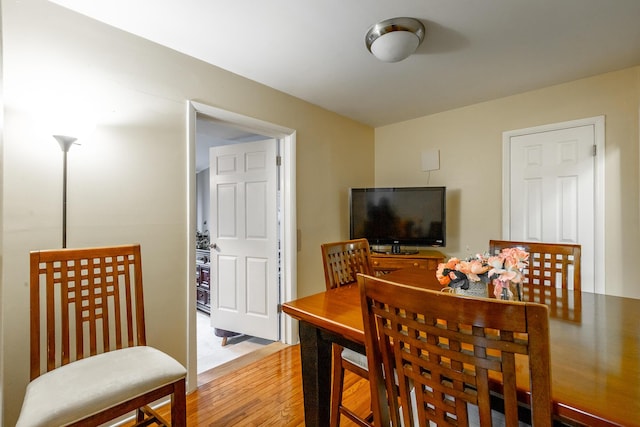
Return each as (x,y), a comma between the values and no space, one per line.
(356,358)
(87,386)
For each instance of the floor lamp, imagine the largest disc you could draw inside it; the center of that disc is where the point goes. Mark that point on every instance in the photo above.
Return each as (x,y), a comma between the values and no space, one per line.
(65,143)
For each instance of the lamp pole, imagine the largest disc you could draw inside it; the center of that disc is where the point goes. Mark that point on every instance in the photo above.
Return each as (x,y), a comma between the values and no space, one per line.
(65,144)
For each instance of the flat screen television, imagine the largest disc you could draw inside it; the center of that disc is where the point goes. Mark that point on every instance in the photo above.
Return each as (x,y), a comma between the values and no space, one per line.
(399,217)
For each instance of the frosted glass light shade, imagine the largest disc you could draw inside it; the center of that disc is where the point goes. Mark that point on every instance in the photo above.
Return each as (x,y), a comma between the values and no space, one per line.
(395,39)
(395,46)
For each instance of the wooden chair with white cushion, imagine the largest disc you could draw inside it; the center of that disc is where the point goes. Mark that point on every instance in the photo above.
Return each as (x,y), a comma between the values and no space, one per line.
(438,358)
(89,360)
(342,262)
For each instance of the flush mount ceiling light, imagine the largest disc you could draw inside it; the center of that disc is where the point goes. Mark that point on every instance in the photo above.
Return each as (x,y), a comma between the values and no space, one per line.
(394,39)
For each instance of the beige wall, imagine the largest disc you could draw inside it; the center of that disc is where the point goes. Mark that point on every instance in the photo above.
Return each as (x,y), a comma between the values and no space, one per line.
(127,182)
(470,144)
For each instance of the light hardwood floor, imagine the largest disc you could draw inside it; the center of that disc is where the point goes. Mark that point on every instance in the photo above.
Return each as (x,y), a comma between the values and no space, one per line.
(261,390)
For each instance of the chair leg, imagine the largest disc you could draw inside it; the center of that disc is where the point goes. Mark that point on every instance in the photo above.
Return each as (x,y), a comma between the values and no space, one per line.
(337,380)
(179,405)
(139,415)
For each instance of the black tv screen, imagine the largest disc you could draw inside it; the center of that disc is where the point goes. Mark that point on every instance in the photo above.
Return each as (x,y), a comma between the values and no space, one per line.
(401,216)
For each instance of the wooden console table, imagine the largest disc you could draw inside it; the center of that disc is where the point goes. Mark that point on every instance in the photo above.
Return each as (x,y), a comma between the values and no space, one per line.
(428,260)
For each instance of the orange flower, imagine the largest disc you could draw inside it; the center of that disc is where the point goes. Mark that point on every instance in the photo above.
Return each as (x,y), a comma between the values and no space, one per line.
(442,278)
(451,264)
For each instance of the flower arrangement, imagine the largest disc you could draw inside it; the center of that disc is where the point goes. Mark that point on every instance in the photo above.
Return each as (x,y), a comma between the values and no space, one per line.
(503,269)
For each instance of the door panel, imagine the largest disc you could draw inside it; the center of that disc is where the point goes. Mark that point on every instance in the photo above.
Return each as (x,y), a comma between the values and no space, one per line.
(533,219)
(568,198)
(226,211)
(226,267)
(256,210)
(257,284)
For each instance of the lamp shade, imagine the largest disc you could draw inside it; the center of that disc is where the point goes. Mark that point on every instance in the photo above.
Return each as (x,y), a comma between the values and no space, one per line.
(394,39)
(65,141)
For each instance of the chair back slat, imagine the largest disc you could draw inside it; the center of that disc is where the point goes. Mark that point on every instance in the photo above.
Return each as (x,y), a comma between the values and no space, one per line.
(344,260)
(84,302)
(440,357)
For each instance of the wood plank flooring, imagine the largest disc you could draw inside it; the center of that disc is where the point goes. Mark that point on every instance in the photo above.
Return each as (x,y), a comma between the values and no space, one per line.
(265,392)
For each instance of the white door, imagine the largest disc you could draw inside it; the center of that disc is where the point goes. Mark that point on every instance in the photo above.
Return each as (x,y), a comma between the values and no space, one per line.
(244,252)
(552,190)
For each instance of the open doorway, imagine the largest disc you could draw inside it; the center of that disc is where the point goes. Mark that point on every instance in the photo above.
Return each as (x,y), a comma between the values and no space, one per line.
(217,345)
(225,128)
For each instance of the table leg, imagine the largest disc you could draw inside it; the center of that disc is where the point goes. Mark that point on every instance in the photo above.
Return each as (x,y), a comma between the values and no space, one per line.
(315,354)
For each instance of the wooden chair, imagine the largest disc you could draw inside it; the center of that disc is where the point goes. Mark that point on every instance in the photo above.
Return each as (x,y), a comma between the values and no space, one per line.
(553,269)
(342,262)
(89,359)
(441,358)
(549,263)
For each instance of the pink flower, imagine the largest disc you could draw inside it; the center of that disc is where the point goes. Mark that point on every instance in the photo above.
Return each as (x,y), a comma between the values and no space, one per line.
(463,267)
(509,276)
(508,264)
(498,286)
(519,254)
(495,262)
(476,267)
(496,265)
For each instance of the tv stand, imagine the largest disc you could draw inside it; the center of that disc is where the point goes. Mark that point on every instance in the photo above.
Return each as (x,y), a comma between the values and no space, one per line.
(384,263)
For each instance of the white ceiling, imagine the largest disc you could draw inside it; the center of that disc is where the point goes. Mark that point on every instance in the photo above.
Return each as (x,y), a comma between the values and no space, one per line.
(475,50)
(211,133)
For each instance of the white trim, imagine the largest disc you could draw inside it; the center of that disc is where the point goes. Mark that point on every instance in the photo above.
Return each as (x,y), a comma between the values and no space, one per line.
(190,232)
(289,327)
(598,124)
(288,291)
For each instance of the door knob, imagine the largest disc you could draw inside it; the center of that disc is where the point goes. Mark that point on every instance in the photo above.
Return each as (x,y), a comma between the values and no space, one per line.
(214,246)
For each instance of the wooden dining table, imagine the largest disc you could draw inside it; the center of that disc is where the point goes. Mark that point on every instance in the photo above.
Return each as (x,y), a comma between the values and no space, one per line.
(595,349)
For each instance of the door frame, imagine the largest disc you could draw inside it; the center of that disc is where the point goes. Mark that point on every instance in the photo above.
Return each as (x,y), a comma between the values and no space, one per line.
(288,236)
(598,123)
